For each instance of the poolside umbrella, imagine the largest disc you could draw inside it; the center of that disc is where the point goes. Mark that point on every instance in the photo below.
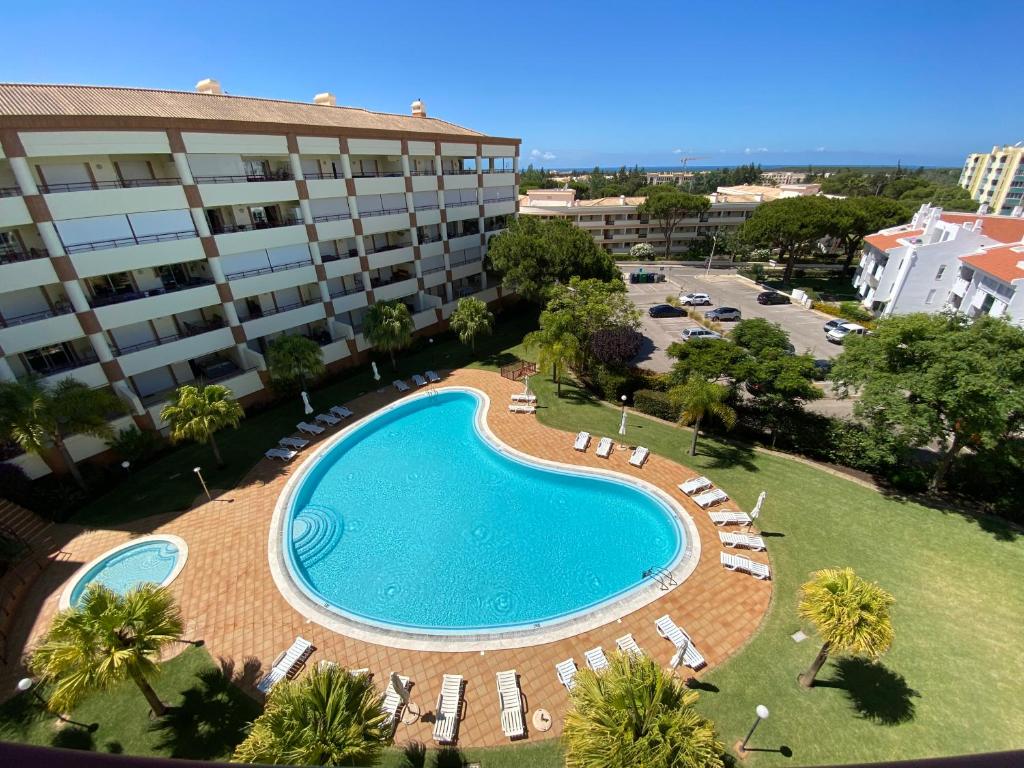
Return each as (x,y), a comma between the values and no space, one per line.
(622,423)
(376,375)
(403,693)
(526,380)
(760,501)
(305,403)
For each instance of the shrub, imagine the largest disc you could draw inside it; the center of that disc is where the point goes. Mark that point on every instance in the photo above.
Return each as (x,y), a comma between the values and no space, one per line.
(137,445)
(642,252)
(852,310)
(14,484)
(615,346)
(612,383)
(656,404)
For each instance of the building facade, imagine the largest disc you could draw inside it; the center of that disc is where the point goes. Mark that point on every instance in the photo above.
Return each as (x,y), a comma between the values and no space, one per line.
(150,239)
(996,179)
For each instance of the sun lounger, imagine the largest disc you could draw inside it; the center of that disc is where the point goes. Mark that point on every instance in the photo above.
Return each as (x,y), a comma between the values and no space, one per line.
(281,453)
(449,704)
(604,447)
(524,398)
(312,429)
(400,385)
(742,540)
(710,498)
(510,698)
(522,409)
(566,671)
(582,441)
(293,442)
(696,485)
(287,664)
(730,517)
(627,644)
(741,563)
(433,377)
(685,652)
(418,380)
(639,456)
(326,418)
(596,659)
(392,704)
(341,411)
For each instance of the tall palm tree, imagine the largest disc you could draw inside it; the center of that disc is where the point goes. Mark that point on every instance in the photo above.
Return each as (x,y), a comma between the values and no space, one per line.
(388,326)
(633,713)
(850,614)
(329,717)
(700,398)
(554,348)
(37,418)
(104,639)
(471,319)
(294,358)
(199,412)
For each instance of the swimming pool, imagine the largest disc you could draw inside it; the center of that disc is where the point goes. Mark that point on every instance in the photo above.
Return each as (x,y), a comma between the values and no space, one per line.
(418,520)
(150,559)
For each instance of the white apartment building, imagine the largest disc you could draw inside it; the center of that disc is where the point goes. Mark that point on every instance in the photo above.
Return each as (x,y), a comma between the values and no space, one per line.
(996,179)
(149,239)
(970,263)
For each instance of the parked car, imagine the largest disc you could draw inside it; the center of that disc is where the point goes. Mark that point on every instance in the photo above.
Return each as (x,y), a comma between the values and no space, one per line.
(772,297)
(694,299)
(839,334)
(689,334)
(723,313)
(833,324)
(666,310)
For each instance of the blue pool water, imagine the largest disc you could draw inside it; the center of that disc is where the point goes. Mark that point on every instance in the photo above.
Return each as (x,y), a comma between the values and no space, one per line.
(147,561)
(414,520)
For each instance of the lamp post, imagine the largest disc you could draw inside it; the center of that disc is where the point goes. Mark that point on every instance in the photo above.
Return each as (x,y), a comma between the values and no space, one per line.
(714,242)
(762,714)
(25,684)
(126,465)
(199,474)
(430,354)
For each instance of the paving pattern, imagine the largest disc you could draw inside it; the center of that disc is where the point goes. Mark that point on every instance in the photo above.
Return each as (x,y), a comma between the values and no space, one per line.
(230,600)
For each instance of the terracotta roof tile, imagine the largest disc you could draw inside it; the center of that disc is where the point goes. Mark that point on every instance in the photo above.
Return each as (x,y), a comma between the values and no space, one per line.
(1001,262)
(888,242)
(1005,229)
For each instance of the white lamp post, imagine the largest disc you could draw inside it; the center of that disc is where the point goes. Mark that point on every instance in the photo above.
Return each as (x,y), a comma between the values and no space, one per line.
(126,465)
(622,420)
(25,684)
(714,242)
(199,474)
(762,714)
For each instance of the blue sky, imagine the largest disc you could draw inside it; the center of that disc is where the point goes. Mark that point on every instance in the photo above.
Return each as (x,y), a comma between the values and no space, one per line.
(583,83)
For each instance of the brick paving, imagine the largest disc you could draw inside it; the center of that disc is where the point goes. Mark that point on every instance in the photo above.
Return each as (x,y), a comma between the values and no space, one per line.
(230,600)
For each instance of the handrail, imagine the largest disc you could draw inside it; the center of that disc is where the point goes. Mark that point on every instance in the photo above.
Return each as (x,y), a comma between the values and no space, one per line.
(497,170)
(232,228)
(278,310)
(388,247)
(267,270)
(377,174)
(459,203)
(459,172)
(120,298)
(79,186)
(430,207)
(499,199)
(196,330)
(8,322)
(323,176)
(82,359)
(332,217)
(466,261)
(432,270)
(281,175)
(9,192)
(123,242)
(382,212)
(431,172)
(10,254)
(348,291)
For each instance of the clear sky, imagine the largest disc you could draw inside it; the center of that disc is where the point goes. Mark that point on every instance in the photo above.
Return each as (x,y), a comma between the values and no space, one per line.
(583,83)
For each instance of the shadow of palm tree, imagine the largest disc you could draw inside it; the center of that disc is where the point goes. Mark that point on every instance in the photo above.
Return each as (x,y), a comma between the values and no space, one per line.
(72,737)
(727,455)
(415,753)
(875,692)
(449,757)
(245,677)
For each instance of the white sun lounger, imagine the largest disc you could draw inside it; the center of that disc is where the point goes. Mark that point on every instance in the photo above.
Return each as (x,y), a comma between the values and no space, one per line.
(326,418)
(742,540)
(392,704)
(524,398)
(418,380)
(685,652)
(281,453)
(522,409)
(639,456)
(432,376)
(582,441)
(627,644)
(566,671)
(741,563)
(596,659)
(510,698)
(709,498)
(604,447)
(730,517)
(327,664)
(287,664)
(341,411)
(312,429)
(400,385)
(449,703)
(696,485)
(293,442)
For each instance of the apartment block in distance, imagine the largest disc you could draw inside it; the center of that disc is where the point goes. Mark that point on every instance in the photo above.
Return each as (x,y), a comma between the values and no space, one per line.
(150,239)
(996,179)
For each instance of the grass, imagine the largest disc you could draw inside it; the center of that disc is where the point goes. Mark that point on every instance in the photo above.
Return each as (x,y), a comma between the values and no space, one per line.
(831,288)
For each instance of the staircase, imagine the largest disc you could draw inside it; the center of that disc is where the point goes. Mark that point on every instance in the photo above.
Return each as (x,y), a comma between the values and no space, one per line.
(315,532)
(22,525)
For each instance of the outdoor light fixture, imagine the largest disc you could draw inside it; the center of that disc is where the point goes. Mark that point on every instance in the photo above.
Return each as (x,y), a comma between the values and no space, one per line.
(199,474)
(25,684)
(762,714)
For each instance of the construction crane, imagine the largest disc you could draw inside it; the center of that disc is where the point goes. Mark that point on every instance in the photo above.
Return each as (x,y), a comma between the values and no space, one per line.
(685,160)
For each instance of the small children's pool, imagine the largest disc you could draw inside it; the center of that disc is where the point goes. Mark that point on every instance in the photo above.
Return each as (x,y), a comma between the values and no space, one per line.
(151,559)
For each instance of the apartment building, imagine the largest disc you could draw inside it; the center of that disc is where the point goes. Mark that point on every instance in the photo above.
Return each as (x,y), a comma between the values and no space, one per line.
(150,239)
(963,262)
(784,177)
(996,179)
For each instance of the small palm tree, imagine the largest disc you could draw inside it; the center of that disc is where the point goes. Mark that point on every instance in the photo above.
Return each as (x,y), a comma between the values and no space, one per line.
(850,614)
(199,412)
(329,717)
(699,398)
(104,639)
(471,319)
(555,349)
(633,713)
(388,326)
(294,358)
(37,418)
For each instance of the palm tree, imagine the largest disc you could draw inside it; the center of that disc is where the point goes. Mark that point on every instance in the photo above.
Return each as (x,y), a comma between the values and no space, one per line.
(292,358)
(555,349)
(470,319)
(201,411)
(850,614)
(700,398)
(388,326)
(104,639)
(329,717)
(634,713)
(37,418)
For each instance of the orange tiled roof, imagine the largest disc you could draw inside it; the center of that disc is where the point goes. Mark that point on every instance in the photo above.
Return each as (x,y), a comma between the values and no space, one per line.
(1005,229)
(888,242)
(1000,262)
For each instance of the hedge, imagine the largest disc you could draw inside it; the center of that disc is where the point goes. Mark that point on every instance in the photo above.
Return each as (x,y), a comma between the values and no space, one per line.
(656,404)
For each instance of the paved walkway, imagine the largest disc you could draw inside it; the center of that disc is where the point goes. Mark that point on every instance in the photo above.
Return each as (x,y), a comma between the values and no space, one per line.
(230,600)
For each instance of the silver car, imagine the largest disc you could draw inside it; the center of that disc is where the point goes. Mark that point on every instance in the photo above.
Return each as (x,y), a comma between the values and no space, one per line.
(723,313)
(689,334)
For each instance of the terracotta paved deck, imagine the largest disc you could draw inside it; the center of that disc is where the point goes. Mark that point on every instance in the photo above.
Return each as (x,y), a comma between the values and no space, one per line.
(229,598)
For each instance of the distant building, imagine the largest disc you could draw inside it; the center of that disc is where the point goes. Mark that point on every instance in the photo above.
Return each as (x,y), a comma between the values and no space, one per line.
(996,179)
(679,178)
(763,194)
(784,177)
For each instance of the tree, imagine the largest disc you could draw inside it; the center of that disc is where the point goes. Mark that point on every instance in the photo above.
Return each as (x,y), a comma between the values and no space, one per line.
(37,418)
(667,205)
(850,614)
(615,347)
(388,326)
(792,225)
(555,347)
(852,218)
(633,713)
(642,252)
(533,254)
(294,358)
(585,307)
(757,334)
(711,359)
(200,412)
(104,639)
(937,379)
(780,384)
(699,398)
(471,319)
(329,717)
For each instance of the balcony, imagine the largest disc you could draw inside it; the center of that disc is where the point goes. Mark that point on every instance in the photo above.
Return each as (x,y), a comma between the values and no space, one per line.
(283,317)
(31,317)
(14,212)
(81,186)
(960,287)
(253,282)
(81,200)
(45,367)
(123,242)
(382,212)
(118,298)
(281,174)
(395,287)
(37,329)
(25,269)
(347,299)
(239,238)
(332,217)
(137,306)
(9,192)
(460,172)
(377,174)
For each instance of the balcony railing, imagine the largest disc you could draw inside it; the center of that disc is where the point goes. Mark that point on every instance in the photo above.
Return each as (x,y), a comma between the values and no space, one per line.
(497,170)
(432,270)
(507,199)
(428,207)
(228,229)
(382,212)
(9,191)
(120,298)
(377,174)
(468,260)
(79,186)
(429,172)
(343,291)
(48,368)
(324,175)
(459,203)
(122,242)
(460,172)
(10,254)
(332,217)
(267,270)
(282,308)
(388,247)
(31,317)
(230,371)
(191,329)
(281,175)
(396,277)
(428,239)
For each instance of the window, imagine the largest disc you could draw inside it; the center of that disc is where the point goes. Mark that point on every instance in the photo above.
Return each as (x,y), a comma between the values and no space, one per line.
(930,297)
(938,275)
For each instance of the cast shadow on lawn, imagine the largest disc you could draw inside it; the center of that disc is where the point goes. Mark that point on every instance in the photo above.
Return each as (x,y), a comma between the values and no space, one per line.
(73,737)
(875,692)
(998,527)
(416,754)
(727,455)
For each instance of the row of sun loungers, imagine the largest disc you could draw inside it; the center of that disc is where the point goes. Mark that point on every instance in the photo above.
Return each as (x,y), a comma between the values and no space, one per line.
(741,563)
(290,446)
(430,377)
(743,540)
(605,446)
(701,491)
(522,397)
(522,409)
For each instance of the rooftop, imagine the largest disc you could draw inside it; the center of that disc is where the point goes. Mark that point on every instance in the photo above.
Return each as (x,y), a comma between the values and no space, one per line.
(887,242)
(1005,229)
(1003,262)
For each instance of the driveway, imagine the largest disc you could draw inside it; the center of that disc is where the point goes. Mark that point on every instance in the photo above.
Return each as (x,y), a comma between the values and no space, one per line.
(658,332)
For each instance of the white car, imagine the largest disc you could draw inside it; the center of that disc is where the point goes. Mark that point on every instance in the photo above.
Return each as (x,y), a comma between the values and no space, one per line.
(694,299)
(689,334)
(839,333)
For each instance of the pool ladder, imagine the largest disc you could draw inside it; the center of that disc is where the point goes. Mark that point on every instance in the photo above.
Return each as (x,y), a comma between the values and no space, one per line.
(664,578)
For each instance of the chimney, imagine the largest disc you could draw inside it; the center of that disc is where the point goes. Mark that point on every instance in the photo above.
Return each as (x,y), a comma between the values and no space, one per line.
(419,109)
(325,99)
(983,209)
(1017,212)
(622,199)
(210,86)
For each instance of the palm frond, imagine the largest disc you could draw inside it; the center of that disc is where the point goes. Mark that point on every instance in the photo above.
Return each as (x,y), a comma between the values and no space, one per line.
(851,614)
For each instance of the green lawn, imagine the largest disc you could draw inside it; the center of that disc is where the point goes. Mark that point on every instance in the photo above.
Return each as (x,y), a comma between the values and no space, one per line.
(832,288)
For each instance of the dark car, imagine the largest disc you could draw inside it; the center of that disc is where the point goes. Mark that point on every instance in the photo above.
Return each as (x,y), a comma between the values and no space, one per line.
(772,297)
(720,314)
(666,310)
